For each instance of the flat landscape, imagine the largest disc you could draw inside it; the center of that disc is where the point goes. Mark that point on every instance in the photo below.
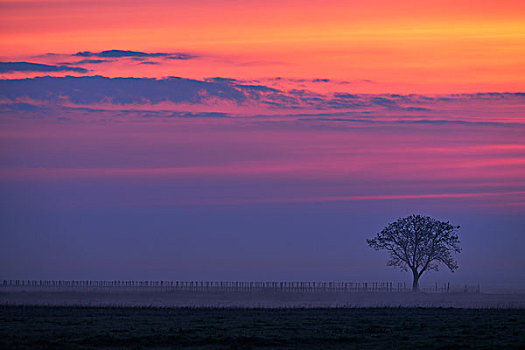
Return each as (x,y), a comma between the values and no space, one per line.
(39,327)
(263,298)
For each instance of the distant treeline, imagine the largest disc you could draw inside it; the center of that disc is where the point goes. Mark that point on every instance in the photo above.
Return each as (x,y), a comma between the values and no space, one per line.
(239,285)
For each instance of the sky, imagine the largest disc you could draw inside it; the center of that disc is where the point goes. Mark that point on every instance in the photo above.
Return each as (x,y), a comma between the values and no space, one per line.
(250,140)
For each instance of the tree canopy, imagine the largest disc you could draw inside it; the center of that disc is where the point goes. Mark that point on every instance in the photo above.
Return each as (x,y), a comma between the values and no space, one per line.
(419,243)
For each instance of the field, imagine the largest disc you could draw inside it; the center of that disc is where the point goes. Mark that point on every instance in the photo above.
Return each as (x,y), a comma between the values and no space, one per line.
(40,327)
(153,317)
(270,298)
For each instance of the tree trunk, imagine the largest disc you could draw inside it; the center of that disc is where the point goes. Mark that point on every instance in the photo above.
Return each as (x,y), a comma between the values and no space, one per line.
(415,282)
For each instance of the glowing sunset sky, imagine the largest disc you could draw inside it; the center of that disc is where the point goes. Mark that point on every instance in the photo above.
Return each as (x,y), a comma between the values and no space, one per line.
(257,139)
(403,46)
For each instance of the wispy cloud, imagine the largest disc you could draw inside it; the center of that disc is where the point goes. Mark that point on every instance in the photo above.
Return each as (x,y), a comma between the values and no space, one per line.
(12,67)
(180,56)
(98,89)
(257,100)
(87,61)
(131,54)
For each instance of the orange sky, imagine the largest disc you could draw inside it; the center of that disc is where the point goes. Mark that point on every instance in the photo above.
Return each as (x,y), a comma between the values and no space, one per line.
(402,46)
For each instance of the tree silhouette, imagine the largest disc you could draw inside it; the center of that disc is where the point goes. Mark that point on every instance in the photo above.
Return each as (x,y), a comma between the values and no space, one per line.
(419,243)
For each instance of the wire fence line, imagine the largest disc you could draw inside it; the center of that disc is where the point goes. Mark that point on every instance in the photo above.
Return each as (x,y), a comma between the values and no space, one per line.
(239,286)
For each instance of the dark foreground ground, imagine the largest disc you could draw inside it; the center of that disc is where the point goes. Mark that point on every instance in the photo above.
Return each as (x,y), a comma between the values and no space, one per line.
(40,327)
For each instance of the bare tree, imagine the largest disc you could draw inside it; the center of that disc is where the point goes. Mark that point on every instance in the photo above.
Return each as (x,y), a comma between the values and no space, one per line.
(419,243)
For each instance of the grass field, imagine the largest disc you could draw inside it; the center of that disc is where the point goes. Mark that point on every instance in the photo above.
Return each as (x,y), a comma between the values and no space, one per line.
(40,327)
(131,297)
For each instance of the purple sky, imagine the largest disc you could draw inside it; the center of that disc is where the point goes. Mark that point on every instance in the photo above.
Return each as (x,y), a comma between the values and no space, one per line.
(258,140)
(133,190)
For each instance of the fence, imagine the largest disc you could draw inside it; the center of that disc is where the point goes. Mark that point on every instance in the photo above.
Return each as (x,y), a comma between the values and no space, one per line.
(239,286)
